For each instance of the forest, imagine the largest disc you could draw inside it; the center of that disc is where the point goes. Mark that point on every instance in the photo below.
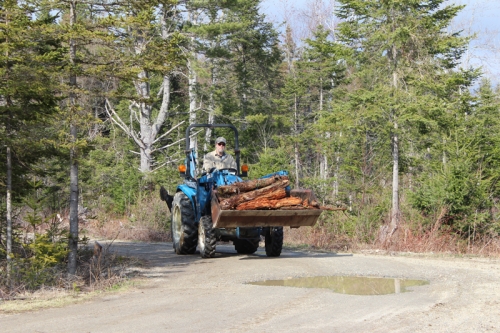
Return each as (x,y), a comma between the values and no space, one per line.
(376,114)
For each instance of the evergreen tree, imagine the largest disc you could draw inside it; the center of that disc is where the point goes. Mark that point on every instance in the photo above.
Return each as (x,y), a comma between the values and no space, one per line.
(403,54)
(321,70)
(28,98)
(236,60)
(462,182)
(307,96)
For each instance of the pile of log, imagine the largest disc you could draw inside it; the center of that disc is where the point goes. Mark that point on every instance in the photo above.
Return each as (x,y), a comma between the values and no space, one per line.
(268,193)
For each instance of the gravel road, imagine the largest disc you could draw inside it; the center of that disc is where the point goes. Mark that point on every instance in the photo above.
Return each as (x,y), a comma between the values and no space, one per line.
(190,294)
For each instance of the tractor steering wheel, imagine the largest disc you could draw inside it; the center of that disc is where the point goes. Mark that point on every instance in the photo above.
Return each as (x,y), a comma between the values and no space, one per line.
(229,170)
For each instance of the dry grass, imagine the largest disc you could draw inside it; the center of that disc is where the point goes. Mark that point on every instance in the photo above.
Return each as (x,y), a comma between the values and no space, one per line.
(103,270)
(123,229)
(405,240)
(317,238)
(97,271)
(148,221)
(441,241)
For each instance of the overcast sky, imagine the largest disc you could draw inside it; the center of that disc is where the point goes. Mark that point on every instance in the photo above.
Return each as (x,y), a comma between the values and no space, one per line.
(480,17)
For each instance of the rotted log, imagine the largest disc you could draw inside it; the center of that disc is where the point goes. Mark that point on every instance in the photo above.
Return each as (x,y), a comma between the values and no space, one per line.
(266,192)
(267,203)
(251,185)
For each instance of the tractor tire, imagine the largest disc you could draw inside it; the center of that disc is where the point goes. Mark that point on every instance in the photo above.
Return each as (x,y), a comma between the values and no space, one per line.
(246,246)
(206,237)
(183,227)
(274,241)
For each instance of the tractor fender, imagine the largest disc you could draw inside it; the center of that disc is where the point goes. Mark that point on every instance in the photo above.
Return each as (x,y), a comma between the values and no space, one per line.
(190,193)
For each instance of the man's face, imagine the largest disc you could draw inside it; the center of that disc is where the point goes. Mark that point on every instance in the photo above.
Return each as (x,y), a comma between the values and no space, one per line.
(220,147)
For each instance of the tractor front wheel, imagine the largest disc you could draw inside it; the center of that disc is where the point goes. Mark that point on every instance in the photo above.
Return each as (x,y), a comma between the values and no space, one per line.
(206,237)
(183,227)
(246,246)
(274,241)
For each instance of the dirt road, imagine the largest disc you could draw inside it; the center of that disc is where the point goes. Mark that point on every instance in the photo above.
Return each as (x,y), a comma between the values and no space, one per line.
(190,294)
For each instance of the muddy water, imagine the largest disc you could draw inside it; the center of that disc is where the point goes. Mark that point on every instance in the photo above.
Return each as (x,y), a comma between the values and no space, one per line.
(353,285)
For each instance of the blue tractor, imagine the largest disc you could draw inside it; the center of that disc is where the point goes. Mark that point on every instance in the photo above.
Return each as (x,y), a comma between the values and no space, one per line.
(198,220)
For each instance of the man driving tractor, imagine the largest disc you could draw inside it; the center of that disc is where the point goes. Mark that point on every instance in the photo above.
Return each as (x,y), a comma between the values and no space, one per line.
(219,159)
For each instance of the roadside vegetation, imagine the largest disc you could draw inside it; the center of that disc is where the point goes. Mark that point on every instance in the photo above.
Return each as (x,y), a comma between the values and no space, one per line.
(370,106)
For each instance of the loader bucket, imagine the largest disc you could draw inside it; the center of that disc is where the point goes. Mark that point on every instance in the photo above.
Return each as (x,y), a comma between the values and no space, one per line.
(265,218)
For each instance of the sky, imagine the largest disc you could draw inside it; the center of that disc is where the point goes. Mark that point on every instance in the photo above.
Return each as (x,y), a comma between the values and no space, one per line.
(480,18)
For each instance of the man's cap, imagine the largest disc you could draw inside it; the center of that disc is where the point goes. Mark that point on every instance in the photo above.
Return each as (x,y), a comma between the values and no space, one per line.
(220,139)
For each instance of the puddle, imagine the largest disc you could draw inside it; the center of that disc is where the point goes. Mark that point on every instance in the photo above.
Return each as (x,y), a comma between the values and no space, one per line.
(352,285)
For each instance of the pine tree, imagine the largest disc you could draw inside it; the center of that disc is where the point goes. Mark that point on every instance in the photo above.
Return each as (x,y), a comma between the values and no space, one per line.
(461,179)
(400,46)
(236,60)
(27,96)
(321,70)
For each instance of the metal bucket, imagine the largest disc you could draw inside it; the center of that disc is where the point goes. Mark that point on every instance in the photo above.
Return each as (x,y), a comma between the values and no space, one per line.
(265,218)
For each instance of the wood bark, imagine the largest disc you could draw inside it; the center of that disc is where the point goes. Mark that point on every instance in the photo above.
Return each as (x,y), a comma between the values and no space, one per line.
(284,203)
(9,213)
(232,202)
(247,186)
(266,203)
(73,202)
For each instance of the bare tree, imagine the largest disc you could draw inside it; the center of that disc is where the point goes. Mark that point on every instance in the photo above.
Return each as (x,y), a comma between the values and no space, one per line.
(141,107)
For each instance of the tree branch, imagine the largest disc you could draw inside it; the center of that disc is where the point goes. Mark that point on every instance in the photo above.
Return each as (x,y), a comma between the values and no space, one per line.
(165,164)
(169,131)
(115,118)
(169,145)
(162,114)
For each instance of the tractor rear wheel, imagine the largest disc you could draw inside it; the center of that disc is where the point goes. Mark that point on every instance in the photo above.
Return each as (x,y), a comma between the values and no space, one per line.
(183,227)
(206,237)
(246,246)
(274,241)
